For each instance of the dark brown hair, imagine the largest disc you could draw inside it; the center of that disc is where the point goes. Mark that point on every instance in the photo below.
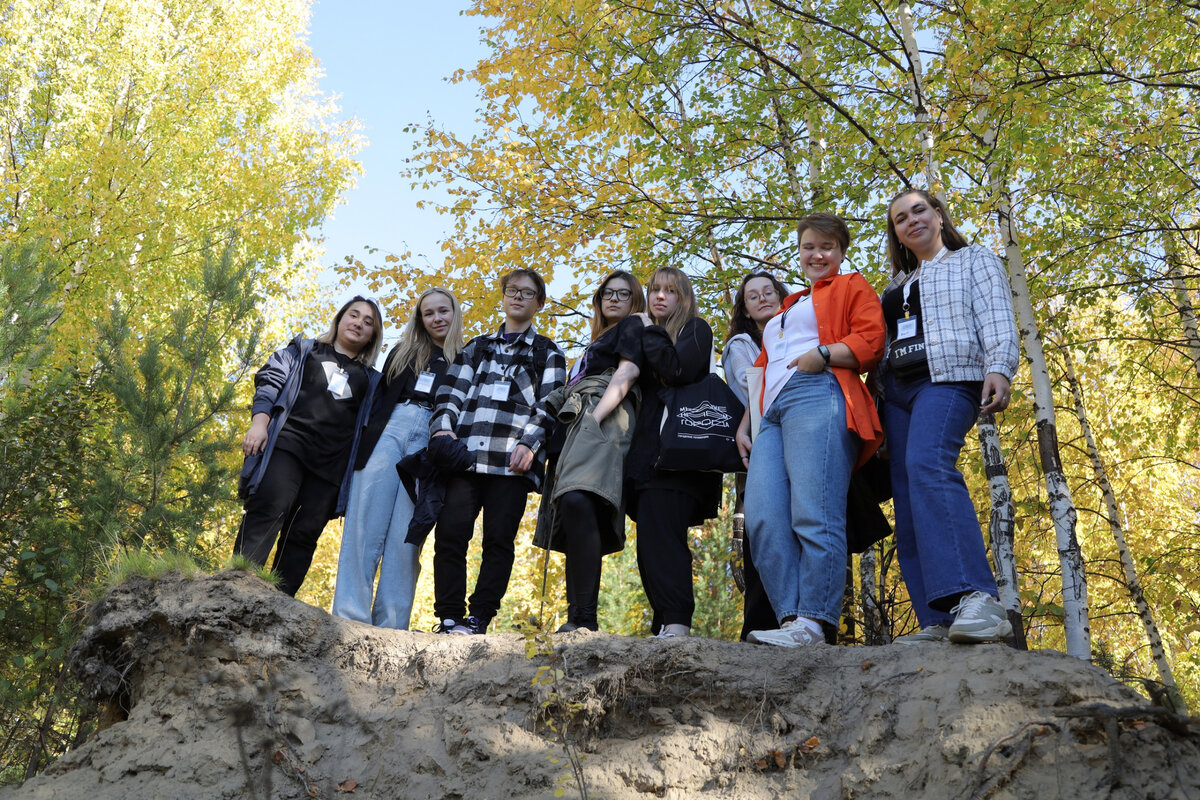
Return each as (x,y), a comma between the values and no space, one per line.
(905,260)
(740,320)
(637,302)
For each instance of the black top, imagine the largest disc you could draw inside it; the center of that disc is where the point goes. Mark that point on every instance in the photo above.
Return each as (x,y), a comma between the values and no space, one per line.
(893,311)
(666,363)
(623,340)
(391,393)
(320,427)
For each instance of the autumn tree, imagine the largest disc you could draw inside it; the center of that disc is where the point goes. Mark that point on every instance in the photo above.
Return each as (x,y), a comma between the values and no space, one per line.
(160,166)
(694,133)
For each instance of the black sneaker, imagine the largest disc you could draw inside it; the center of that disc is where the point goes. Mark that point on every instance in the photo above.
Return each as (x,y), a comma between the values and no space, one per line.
(450,626)
(473,625)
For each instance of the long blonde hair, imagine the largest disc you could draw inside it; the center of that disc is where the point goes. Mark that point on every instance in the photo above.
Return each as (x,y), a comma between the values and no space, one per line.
(370,352)
(416,345)
(685,310)
(637,302)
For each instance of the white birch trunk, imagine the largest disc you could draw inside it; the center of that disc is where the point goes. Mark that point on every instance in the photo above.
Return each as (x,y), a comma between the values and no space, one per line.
(1116,525)
(916,85)
(1187,311)
(1001,526)
(697,196)
(1062,507)
(868,562)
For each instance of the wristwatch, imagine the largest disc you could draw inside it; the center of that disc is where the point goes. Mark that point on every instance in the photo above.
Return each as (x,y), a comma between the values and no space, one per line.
(824,351)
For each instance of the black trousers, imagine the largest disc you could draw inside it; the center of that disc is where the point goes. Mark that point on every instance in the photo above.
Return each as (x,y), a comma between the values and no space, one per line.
(584,513)
(294,503)
(663,555)
(502,500)
(757,614)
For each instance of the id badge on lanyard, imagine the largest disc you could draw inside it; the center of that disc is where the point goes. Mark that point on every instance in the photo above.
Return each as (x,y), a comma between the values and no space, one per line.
(500,389)
(906,328)
(424,383)
(338,382)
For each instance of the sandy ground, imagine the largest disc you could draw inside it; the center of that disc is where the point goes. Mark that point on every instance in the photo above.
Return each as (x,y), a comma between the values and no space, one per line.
(231,689)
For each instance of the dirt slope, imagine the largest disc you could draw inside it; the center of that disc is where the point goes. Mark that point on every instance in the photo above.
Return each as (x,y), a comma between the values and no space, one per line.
(232,689)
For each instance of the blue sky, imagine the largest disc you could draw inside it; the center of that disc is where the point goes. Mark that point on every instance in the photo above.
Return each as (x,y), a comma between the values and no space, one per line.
(388,62)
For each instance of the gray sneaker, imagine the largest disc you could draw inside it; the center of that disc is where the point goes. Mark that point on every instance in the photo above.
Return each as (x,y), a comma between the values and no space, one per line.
(930,633)
(978,618)
(793,633)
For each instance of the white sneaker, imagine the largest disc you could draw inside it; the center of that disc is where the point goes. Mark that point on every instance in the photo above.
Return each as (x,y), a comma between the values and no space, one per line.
(930,633)
(793,633)
(978,618)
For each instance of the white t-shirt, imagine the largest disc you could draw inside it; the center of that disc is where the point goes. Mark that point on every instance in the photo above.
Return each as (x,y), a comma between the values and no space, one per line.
(787,336)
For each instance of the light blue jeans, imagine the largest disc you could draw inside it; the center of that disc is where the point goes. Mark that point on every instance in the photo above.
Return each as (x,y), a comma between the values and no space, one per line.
(796,498)
(377,518)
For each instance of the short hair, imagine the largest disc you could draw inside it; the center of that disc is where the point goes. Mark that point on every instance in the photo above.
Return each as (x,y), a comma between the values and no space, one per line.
(828,224)
(637,300)
(739,319)
(370,353)
(527,273)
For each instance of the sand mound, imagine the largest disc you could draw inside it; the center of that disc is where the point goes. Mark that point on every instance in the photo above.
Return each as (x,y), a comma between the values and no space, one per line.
(231,689)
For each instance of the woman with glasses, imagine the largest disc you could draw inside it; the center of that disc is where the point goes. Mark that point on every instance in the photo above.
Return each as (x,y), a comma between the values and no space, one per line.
(583,511)
(757,300)
(380,509)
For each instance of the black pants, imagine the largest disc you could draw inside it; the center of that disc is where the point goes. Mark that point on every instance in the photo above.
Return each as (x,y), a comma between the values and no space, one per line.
(292,499)
(663,555)
(583,513)
(757,614)
(502,500)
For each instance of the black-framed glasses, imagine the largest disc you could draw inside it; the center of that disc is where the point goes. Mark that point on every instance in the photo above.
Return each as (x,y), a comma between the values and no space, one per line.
(516,291)
(616,294)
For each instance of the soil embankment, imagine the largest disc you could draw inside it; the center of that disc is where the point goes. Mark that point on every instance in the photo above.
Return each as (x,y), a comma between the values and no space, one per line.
(228,688)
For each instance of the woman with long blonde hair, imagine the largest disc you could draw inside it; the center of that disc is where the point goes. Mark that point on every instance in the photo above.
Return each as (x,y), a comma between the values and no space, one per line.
(677,346)
(380,509)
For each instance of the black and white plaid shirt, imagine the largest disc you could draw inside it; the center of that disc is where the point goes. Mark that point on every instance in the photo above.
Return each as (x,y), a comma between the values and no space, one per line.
(501,404)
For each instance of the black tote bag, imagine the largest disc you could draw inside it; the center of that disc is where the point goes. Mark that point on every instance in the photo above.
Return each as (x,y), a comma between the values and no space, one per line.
(699,428)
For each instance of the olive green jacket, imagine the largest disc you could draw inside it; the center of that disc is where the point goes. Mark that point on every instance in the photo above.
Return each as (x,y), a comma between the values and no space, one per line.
(592,460)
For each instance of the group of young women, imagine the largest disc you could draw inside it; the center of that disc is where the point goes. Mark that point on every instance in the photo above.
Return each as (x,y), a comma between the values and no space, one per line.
(941,343)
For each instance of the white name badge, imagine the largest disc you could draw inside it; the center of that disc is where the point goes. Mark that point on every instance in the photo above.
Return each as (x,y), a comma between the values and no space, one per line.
(337,384)
(500,390)
(906,328)
(424,382)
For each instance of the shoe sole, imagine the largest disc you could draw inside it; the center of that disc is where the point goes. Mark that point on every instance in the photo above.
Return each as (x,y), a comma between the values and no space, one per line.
(750,637)
(1001,630)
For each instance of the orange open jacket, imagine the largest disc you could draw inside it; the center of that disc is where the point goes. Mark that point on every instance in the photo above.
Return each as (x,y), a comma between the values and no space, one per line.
(848,311)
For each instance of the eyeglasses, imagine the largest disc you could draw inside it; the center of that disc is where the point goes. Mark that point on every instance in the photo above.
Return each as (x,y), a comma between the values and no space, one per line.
(516,291)
(616,294)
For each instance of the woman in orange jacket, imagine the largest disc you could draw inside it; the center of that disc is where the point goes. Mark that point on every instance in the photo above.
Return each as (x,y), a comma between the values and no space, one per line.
(818,424)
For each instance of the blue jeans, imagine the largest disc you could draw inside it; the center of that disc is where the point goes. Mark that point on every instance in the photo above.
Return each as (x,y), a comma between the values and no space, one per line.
(376,523)
(796,498)
(938,540)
